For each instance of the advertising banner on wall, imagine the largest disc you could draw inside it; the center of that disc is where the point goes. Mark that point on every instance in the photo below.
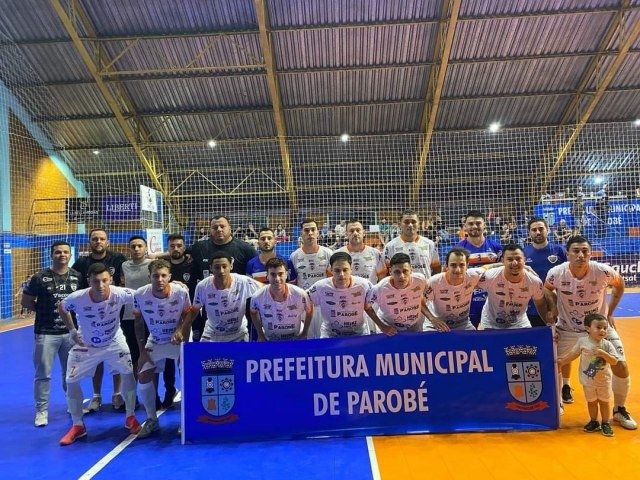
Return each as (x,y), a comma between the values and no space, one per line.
(121,207)
(370,385)
(82,210)
(155,240)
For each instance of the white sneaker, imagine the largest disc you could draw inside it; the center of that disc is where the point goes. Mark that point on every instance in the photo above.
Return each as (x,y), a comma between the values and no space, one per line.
(42,419)
(95,404)
(623,417)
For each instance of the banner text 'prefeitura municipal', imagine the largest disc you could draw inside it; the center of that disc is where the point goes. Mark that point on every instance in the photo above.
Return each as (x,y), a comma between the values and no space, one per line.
(370,385)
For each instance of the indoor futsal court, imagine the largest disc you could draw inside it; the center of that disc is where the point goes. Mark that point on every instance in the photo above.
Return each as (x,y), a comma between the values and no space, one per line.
(143,119)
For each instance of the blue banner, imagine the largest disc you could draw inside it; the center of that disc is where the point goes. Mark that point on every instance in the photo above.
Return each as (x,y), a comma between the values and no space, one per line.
(622,213)
(370,385)
(122,207)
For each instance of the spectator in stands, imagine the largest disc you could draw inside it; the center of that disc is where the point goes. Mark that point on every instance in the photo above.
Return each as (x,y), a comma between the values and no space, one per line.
(394,231)
(340,231)
(384,231)
(578,212)
(562,233)
(506,236)
(280,234)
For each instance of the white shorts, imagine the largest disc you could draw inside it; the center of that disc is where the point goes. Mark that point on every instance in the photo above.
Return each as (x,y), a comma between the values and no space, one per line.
(83,361)
(566,341)
(208,335)
(593,393)
(158,354)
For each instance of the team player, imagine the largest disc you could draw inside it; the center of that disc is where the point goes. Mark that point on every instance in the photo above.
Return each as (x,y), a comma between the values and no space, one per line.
(509,289)
(399,298)
(98,339)
(256,268)
(580,287)
(224,296)
(483,251)
(541,255)
(277,309)
(99,253)
(368,262)
(311,264)
(185,272)
(42,294)
(161,306)
(596,355)
(422,251)
(449,293)
(342,301)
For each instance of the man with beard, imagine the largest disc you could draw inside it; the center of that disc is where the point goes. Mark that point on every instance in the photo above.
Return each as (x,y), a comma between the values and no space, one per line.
(509,289)
(578,288)
(185,272)
(221,240)
(422,251)
(368,262)
(99,253)
(311,264)
(42,294)
(541,256)
(256,266)
(483,251)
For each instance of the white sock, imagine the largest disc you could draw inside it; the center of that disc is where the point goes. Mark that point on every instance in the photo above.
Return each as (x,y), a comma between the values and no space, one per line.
(148,395)
(620,387)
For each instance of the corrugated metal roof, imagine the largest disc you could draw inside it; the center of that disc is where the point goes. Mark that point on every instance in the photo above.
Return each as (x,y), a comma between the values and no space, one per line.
(362,86)
(475,8)
(287,14)
(344,47)
(124,17)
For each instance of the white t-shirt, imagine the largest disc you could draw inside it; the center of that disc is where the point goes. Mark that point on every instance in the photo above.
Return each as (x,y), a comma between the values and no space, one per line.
(226,308)
(399,307)
(281,320)
(161,315)
(506,304)
(342,309)
(423,253)
(452,303)
(98,322)
(311,267)
(366,264)
(594,370)
(578,298)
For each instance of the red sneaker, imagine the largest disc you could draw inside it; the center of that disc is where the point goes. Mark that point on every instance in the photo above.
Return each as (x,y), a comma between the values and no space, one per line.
(76,432)
(132,424)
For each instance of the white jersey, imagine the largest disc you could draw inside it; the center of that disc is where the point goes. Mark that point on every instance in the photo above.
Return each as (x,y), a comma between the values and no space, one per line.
(506,304)
(161,315)
(225,308)
(423,253)
(594,370)
(281,320)
(368,263)
(311,267)
(342,309)
(578,298)
(399,307)
(98,322)
(451,303)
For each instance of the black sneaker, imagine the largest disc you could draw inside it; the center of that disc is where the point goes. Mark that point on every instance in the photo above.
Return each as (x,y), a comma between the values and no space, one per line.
(592,426)
(607,431)
(567,396)
(168,398)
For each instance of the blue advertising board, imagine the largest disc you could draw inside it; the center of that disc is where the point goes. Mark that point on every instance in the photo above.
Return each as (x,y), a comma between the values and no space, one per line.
(370,385)
(622,213)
